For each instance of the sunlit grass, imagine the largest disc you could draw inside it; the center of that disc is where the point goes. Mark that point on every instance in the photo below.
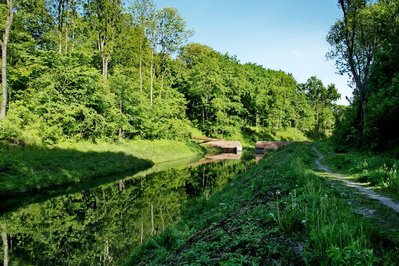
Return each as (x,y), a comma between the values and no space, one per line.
(29,168)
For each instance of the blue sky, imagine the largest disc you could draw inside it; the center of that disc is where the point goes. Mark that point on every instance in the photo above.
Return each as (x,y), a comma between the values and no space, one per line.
(278,34)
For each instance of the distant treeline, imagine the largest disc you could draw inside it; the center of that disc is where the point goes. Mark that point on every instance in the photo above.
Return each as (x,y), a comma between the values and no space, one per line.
(98,69)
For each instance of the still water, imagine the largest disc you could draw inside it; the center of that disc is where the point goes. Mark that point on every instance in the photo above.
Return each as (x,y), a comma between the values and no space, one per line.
(102,224)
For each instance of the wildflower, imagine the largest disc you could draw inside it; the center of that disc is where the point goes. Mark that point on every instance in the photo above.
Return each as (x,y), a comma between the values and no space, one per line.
(303,222)
(278,192)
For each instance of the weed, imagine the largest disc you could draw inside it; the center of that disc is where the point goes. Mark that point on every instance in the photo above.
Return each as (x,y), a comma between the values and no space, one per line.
(354,254)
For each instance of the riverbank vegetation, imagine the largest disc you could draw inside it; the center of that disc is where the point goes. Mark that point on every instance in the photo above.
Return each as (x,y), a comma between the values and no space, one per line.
(280,212)
(33,168)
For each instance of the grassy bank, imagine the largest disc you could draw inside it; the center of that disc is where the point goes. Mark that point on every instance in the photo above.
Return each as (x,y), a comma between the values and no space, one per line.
(29,168)
(279,212)
(378,171)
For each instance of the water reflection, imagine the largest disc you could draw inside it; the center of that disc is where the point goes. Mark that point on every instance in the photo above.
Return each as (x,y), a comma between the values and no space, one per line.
(102,225)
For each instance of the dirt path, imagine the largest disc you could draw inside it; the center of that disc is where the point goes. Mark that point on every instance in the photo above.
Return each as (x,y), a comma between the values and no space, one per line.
(363,190)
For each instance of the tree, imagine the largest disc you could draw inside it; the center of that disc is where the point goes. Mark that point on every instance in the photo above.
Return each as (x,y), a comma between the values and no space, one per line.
(171,34)
(104,16)
(144,17)
(172,30)
(4,239)
(64,13)
(59,15)
(4,44)
(354,40)
(321,99)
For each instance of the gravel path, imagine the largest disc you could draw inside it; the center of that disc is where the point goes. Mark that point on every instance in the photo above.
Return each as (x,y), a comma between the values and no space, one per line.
(363,190)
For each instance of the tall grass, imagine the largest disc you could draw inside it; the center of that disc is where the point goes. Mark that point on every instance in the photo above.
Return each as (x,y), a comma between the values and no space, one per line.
(376,169)
(313,208)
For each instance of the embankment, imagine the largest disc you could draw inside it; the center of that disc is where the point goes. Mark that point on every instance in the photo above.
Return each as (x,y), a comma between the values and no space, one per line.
(33,168)
(280,212)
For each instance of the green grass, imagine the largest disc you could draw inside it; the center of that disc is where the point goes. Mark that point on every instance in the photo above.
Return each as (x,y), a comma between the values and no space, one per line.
(250,135)
(32,168)
(279,212)
(377,170)
(157,151)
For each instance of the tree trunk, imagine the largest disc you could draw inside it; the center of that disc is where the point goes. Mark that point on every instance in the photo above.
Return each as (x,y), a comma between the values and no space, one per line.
(142,229)
(140,69)
(162,218)
(120,135)
(60,22)
(153,232)
(59,41)
(66,40)
(69,6)
(152,77)
(4,44)
(5,244)
(363,103)
(105,66)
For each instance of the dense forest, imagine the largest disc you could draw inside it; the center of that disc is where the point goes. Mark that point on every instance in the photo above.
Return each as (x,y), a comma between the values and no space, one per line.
(97,69)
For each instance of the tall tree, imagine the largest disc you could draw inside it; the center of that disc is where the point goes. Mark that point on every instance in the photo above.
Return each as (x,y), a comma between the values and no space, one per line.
(144,16)
(58,8)
(4,44)
(4,239)
(104,16)
(172,33)
(354,40)
(321,99)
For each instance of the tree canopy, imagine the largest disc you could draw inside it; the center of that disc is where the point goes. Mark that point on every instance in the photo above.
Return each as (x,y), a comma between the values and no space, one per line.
(365,45)
(101,70)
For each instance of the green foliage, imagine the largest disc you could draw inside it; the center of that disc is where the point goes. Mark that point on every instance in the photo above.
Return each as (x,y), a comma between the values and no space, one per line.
(321,99)
(226,97)
(289,134)
(370,120)
(71,98)
(353,254)
(96,71)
